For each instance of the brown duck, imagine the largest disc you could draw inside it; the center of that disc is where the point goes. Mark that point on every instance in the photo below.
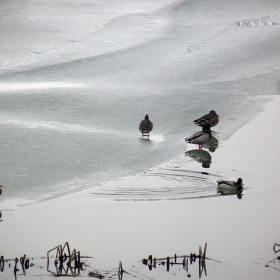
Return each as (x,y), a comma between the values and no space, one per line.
(211,118)
(146,125)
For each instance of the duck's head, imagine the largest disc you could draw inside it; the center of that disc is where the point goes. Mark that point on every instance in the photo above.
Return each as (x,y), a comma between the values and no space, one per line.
(240,182)
(147,117)
(212,112)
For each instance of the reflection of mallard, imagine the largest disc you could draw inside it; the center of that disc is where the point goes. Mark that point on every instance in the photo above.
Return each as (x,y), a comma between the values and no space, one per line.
(222,191)
(230,185)
(211,118)
(200,156)
(0,189)
(146,125)
(200,137)
(212,144)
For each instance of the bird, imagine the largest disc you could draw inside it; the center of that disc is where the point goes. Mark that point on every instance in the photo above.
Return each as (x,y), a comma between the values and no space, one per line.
(211,118)
(200,137)
(146,126)
(230,185)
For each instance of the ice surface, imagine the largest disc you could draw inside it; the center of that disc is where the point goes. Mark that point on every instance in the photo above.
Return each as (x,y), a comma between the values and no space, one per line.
(77,78)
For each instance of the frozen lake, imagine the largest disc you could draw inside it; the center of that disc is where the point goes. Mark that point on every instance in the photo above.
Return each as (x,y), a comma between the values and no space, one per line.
(77,78)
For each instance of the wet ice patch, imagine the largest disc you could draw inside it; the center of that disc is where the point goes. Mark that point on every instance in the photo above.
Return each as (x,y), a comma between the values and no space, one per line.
(58,126)
(38,86)
(157,138)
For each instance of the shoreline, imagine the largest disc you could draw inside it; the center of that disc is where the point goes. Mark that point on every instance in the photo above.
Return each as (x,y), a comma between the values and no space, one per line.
(128,231)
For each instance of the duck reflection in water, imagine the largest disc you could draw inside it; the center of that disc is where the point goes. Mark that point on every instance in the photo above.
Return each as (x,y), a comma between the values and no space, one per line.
(0,216)
(212,144)
(238,193)
(200,156)
(2,264)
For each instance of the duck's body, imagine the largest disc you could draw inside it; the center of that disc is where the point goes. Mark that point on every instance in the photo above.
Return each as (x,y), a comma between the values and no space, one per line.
(200,137)
(230,185)
(211,118)
(146,125)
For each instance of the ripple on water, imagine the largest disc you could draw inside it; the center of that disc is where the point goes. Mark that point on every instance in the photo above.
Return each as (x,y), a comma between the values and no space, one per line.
(160,184)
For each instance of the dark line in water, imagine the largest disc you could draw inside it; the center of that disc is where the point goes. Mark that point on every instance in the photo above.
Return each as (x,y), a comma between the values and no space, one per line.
(176,175)
(175,198)
(197,172)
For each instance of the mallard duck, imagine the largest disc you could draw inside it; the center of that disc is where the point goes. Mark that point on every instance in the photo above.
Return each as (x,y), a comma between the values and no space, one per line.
(211,118)
(146,125)
(200,137)
(230,185)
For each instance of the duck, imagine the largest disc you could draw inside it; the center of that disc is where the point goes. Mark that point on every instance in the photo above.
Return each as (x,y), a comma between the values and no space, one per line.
(146,125)
(231,185)
(200,137)
(211,118)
